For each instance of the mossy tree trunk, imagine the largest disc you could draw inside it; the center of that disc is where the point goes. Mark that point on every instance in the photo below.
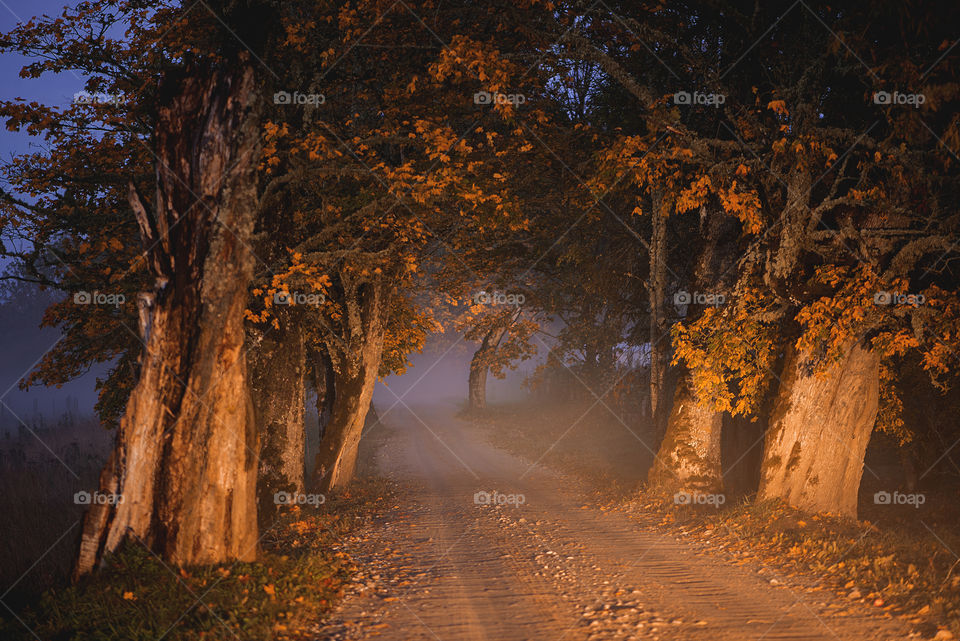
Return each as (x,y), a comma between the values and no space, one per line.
(689,457)
(819,430)
(277,362)
(659,403)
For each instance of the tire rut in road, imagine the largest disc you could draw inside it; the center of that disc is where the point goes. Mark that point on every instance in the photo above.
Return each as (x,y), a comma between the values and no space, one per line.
(441,567)
(457,583)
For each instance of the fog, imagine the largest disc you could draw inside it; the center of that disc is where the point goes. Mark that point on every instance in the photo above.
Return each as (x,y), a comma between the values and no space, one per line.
(439,374)
(24,344)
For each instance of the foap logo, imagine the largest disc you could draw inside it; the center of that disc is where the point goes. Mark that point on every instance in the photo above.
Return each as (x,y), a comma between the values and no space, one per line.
(896,298)
(497,499)
(298,298)
(697,98)
(699,498)
(896,98)
(297,98)
(98,298)
(88,98)
(897,498)
(97,498)
(484,297)
(495,98)
(697,298)
(298,498)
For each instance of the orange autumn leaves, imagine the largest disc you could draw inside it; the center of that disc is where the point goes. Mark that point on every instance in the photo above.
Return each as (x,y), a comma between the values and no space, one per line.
(733,369)
(677,171)
(299,276)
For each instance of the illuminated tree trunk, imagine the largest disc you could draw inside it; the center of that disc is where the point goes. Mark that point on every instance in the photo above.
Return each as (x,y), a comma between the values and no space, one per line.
(277,361)
(355,366)
(337,459)
(689,457)
(818,433)
(185,457)
(480,366)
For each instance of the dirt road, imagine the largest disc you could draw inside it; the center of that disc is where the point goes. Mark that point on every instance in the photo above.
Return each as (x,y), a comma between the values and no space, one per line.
(485,546)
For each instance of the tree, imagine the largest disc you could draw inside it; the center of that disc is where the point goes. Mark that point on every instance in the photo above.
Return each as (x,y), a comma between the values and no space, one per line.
(277,362)
(787,145)
(202,136)
(495,355)
(834,410)
(195,237)
(850,208)
(393,170)
(203,454)
(689,458)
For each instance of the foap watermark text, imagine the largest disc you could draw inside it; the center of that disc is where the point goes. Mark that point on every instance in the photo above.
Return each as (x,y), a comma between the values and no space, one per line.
(297,98)
(898,498)
(896,298)
(496,498)
(897,98)
(495,98)
(698,98)
(298,498)
(298,298)
(498,298)
(97,498)
(98,298)
(698,298)
(699,498)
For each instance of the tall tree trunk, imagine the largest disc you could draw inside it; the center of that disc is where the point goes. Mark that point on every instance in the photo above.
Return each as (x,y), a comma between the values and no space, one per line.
(277,362)
(689,457)
(321,370)
(355,367)
(480,366)
(657,292)
(337,459)
(818,433)
(185,457)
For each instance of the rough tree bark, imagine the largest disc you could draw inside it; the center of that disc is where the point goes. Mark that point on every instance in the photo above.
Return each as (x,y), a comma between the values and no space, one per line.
(657,289)
(185,457)
(689,458)
(819,430)
(277,362)
(356,361)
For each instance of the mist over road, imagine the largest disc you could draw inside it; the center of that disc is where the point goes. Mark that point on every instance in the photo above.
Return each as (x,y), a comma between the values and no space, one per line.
(485,546)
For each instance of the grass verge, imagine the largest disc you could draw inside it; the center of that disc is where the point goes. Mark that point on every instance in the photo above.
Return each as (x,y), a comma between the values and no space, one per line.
(299,577)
